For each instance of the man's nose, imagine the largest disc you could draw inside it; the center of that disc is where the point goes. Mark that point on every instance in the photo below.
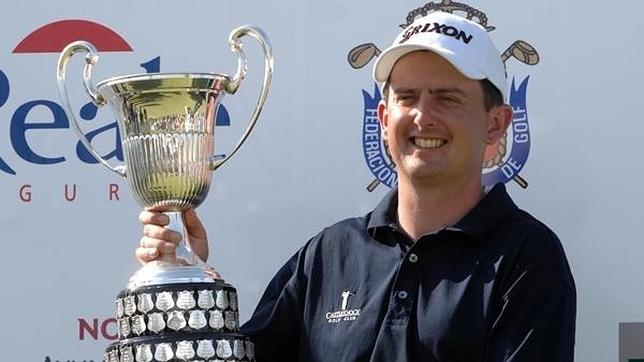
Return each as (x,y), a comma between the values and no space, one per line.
(425,111)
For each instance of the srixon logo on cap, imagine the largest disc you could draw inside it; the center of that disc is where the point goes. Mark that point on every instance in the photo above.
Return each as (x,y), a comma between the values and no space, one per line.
(443,29)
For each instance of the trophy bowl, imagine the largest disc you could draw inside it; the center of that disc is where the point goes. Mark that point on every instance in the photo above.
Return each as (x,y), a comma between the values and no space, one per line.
(167,135)
(173,309)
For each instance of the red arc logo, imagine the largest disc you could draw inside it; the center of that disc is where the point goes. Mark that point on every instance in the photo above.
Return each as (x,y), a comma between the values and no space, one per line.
(53,37)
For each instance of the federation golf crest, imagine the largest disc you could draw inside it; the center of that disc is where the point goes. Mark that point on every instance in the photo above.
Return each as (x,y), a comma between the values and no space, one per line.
(503,160)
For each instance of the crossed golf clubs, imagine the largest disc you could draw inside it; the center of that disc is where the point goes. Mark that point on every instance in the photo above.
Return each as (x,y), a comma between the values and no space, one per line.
(520,50)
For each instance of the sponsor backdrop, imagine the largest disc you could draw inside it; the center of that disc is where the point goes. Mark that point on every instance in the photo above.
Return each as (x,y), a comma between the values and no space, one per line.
(69,227)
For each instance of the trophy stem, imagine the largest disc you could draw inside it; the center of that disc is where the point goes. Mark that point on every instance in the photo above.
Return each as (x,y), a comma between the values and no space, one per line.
(184,254)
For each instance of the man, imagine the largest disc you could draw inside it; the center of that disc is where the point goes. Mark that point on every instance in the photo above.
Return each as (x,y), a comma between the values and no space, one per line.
(442,269)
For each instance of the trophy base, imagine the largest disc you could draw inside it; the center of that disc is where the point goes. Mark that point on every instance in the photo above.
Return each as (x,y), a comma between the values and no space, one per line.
(187,347)
(161,273)
(179,322)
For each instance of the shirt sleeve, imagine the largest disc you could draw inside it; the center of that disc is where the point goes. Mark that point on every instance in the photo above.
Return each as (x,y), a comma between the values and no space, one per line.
(537,306)
(275,325)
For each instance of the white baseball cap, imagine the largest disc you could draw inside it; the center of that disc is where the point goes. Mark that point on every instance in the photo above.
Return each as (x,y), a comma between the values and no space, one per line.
(463,43)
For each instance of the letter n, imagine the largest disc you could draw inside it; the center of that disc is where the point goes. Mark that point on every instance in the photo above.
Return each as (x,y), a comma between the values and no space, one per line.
(83,327)
(464,37)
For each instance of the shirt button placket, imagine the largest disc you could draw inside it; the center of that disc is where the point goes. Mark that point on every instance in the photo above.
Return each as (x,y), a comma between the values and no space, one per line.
(402,294)
(413,258)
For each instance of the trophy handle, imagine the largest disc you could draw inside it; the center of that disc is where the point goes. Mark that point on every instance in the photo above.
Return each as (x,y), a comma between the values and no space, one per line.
(236,47)
(90,59)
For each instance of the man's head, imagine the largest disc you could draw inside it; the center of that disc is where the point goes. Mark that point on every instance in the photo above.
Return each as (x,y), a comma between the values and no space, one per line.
(445,85)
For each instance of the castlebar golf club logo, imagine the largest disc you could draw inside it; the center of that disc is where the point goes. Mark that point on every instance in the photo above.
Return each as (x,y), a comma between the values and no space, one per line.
(503,160)
(344,314)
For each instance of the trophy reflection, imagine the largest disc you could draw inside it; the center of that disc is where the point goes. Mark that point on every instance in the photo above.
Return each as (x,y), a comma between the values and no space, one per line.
(172,309)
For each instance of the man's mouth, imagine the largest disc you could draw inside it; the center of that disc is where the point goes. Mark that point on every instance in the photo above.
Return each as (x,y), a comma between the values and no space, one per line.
(429,142)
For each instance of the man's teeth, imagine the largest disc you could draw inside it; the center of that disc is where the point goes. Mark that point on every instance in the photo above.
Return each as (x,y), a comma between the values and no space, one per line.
(428,142)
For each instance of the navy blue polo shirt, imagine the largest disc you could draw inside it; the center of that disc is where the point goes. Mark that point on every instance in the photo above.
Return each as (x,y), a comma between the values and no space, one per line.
(494,287)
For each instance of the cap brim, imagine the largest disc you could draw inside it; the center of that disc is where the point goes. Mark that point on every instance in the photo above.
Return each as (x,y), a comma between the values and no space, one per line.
(387,59)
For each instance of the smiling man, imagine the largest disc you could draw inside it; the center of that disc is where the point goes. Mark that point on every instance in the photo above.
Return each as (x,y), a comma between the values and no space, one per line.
(442,269)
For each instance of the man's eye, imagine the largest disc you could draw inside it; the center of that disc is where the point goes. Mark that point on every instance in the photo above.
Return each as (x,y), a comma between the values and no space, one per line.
(405,97)
(449,100)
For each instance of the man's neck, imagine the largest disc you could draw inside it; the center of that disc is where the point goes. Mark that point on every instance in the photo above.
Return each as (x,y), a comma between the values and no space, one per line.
(428,208)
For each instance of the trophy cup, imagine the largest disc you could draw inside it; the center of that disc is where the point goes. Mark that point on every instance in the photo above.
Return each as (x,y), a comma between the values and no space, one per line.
(172,309)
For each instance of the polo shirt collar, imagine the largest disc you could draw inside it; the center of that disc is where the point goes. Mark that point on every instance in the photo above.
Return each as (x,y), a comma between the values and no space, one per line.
(488,214)
(483,219)
(384,215)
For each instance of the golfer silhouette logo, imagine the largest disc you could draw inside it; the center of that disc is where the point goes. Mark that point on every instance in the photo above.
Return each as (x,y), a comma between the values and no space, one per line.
(345,299)
(503,160)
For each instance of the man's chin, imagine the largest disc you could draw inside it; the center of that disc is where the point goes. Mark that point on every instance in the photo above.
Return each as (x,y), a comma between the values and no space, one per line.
(422,173)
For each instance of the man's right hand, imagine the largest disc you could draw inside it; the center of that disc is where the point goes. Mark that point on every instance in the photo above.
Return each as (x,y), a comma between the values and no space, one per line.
(159,242)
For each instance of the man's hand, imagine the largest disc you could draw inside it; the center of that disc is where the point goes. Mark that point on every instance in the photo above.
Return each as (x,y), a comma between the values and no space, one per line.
(158,242)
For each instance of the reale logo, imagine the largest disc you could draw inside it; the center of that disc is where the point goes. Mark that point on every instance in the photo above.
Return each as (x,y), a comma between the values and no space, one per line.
(504,160)
(52,38)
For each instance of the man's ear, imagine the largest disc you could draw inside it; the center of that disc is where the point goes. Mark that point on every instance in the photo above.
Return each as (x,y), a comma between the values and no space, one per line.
(499,119)
(383,117)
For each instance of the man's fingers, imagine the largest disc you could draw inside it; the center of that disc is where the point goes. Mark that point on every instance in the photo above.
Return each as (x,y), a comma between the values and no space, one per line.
(198,237)
(151,249)
(153,217)
(212,272)
(158,232)
(160,245)
(157,236)
(193,224)
(145,255)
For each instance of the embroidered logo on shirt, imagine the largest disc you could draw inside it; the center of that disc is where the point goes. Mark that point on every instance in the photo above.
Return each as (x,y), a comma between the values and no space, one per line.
(344,314)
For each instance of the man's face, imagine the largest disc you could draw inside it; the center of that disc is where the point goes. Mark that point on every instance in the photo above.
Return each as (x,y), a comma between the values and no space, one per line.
(435,121)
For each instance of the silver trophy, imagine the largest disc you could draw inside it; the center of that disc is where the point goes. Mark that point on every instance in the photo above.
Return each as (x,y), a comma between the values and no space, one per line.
(172,309)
